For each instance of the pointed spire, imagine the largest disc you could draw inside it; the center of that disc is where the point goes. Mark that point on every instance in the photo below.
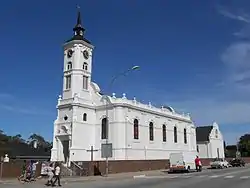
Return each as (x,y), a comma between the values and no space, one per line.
(78,29)
(79,21)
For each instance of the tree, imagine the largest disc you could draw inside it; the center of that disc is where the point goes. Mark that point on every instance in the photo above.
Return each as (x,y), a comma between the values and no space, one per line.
(244,145)
(17,138)
(41,142)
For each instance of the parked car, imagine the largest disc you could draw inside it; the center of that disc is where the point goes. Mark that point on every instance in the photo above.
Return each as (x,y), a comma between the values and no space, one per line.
(219,163)
(237,163)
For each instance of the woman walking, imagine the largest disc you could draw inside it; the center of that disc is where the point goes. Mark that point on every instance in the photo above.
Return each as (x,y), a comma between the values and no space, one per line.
(57,175)
(50,170)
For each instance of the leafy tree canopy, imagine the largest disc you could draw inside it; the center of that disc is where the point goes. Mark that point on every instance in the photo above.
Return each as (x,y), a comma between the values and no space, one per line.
(8,143)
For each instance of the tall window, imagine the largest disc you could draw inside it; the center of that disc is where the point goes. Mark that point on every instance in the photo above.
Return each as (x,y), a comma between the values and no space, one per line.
(69,66)
(151,131)
(85,66)
(84,117)
(175,134)
(85,82)
(197,148)
(136,129)
(68,82)
(164,133)
(104,128)
(185,136)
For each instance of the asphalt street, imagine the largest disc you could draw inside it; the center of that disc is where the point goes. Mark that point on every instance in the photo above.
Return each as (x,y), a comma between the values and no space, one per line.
(230,178)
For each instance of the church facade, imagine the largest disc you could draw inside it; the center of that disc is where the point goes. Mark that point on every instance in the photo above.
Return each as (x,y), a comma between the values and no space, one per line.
(86,118)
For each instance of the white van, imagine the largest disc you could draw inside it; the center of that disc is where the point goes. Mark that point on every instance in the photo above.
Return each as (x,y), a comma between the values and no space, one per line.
(182,162)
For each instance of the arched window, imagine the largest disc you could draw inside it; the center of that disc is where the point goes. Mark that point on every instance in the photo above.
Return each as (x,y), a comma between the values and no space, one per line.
(136,129)
(85,66)
(175,134)
(69,66)
(84,117)
(104,128)
(185,136)
(151,131)
(164,133)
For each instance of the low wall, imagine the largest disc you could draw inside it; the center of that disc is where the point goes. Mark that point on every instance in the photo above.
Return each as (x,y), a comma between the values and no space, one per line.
(13,169)
(133,165)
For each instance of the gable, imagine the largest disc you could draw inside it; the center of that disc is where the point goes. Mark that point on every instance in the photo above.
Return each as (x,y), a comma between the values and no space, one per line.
(202,133)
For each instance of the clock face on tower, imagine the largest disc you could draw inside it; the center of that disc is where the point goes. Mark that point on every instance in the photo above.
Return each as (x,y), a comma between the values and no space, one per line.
(85,54)
(69,53)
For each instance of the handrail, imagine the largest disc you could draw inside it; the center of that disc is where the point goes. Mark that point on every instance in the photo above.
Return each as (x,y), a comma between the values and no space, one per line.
(77,165)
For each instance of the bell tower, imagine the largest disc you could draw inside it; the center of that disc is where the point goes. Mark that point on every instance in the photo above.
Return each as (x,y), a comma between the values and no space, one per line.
(77,63)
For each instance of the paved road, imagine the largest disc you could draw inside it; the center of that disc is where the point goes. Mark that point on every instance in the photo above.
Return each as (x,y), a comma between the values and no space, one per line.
(229,178)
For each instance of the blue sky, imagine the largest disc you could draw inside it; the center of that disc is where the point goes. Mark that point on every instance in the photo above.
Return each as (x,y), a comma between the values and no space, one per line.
(194,55)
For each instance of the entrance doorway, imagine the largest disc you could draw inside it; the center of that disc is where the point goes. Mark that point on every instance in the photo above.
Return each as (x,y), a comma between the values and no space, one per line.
(65,144)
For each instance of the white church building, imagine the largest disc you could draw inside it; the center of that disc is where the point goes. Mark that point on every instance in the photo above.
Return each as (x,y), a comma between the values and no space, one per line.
(137,131)
(210,142)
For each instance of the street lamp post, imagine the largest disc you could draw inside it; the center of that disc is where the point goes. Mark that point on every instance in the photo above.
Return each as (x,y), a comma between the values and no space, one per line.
(106,108)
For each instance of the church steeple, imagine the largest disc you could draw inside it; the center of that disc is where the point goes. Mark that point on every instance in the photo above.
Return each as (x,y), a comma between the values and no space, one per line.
(78,29)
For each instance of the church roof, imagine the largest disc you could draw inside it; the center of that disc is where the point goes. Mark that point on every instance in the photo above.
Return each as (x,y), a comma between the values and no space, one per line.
(202,133)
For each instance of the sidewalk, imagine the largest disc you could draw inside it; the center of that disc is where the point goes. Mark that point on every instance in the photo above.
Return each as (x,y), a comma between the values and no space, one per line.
(118,176)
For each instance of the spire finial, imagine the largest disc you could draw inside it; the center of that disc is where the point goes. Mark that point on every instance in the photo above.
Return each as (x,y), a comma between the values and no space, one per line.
(79,22)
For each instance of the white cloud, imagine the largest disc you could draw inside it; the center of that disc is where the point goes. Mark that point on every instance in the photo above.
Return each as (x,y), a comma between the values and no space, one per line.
(5,95)
(236,56)
(205,111)
(26,110)
(9,102)
(231,103)
(240,16)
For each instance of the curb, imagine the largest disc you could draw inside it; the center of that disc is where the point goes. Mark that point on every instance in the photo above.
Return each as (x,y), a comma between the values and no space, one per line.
(102,179)
(139,176)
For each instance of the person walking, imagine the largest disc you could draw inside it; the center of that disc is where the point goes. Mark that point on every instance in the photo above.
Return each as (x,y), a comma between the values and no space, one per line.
(50,170)
(33,171)
(57,175)
(198,164)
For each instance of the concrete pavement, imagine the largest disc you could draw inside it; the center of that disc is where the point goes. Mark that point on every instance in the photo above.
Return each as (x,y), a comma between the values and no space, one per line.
(230,178)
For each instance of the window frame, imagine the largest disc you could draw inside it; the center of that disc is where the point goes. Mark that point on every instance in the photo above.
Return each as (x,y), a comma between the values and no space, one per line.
(84,117)
(68,82)
(164,133)
(136,129)
(104,129)
(151,131)
(175,135)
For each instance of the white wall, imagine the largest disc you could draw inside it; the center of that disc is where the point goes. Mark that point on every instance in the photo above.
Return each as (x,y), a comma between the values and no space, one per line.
(125,147)
(204,150)
(216,142)
(82,135)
